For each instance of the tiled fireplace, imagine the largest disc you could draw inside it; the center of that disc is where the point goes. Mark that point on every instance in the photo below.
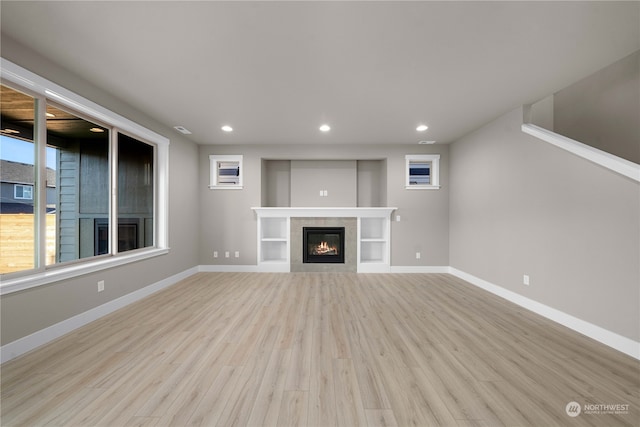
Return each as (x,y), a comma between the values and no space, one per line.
(298,249)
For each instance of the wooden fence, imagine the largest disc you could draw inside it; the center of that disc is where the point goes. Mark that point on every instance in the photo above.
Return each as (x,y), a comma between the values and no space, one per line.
(17,244)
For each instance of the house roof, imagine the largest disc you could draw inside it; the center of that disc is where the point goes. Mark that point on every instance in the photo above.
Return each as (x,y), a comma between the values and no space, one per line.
(276,71)
(22,173)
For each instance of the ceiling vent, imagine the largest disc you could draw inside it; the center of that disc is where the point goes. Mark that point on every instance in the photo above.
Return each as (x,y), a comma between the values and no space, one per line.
(182,130)
(426,142)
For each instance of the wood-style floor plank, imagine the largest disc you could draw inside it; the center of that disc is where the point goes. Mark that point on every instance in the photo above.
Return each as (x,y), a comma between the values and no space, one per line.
(319,349)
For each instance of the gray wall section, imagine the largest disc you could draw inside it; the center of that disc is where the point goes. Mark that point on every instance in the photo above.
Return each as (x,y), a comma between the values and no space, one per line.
(337,177)
(603,110)
(521,206)
(25,312)
(228,224)
(276,183)
(372,183)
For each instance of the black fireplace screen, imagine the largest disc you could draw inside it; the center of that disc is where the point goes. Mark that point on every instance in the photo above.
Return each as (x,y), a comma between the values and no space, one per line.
(323,245)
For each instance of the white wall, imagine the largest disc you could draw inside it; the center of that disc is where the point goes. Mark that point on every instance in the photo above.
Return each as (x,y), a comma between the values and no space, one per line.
(337,178)
(521,206)
(603,109)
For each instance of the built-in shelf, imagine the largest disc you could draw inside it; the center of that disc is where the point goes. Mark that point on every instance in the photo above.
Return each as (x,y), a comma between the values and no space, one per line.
(373,242)
(373,234)
(273,240)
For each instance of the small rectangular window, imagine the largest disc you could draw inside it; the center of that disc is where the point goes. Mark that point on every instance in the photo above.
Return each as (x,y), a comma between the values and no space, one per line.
(419,173)
(226,171)
(23,192)
(422,171)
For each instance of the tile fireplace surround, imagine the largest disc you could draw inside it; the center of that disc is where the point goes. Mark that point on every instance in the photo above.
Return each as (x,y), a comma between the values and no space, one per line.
(350,244)
(367,238)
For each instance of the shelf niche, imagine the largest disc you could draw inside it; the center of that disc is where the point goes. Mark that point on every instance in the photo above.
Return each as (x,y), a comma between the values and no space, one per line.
(367,178)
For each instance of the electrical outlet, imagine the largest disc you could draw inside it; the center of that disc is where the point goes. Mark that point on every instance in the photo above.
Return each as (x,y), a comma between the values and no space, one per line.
(418,255)
(525,279)
(321,193)
(100,285)
(397,218)
(326,193)
(215,254)
(237,254)
(226,254)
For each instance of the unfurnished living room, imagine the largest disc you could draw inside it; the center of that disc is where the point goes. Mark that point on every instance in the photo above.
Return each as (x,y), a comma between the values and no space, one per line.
(320,213)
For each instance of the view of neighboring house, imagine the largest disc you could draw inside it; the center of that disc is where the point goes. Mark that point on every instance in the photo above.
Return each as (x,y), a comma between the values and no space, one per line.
(17,191)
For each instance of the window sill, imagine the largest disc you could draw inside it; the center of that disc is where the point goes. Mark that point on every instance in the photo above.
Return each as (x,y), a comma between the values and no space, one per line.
(422,187)
(75,270)
(225,187)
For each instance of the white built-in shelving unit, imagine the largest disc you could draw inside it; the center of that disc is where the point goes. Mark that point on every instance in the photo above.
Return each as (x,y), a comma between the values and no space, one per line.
(373,243)
(273,241)
(373,234)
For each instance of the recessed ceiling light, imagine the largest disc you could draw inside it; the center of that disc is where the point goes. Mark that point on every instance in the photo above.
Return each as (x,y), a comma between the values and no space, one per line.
(426,142)
(10,131)
(50,115)
(422,128)
(325,128)
(182,130)
(227,128)
(96,130)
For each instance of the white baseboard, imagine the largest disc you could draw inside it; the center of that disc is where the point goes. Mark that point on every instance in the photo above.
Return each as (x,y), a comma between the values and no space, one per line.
(611,339)
(228,268)
(23,345)
(284,268)
(419,269)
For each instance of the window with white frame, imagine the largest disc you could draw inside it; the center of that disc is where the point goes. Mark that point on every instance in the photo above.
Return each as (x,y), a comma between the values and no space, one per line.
(422,171)
(100,183)
(225,171)
(23,192)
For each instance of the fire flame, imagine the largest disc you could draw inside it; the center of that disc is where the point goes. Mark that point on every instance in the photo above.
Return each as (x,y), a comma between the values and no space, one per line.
(324,249)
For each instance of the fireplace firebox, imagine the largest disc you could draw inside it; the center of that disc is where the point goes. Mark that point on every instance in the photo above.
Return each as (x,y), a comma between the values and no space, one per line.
(323,245)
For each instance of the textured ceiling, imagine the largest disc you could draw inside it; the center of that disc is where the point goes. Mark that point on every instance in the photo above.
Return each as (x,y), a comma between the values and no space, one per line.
(276,71)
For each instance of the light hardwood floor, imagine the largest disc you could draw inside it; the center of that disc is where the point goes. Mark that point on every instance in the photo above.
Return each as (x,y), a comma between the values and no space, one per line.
(319,349)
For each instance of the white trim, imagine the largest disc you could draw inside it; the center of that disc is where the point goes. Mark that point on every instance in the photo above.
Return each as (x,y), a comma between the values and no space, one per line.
(611,339)
(77,269)
(274,267)
(422,187)
(325,212)
(228,268)
(420,269)
(602,158)
(43,336)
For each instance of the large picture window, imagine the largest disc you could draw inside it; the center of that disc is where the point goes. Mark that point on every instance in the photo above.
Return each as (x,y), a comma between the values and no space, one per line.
(79,183)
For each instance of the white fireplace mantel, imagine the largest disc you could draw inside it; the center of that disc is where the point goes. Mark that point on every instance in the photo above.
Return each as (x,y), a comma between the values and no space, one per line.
(301,212)
(373,235)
